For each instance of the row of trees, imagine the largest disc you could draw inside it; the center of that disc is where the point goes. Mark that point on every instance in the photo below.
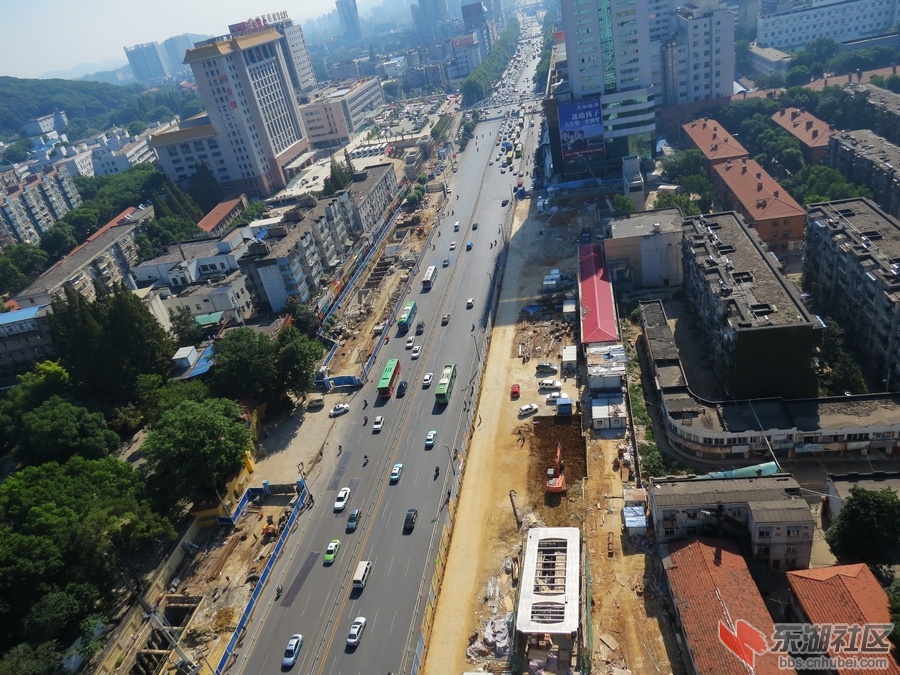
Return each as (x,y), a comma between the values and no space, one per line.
(478,85)
(543,66)
(340,177)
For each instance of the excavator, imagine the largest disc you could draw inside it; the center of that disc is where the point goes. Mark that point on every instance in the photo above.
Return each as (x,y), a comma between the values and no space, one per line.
(557,481)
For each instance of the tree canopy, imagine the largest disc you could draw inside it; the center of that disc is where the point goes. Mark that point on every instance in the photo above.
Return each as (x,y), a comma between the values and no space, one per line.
(867,528)
(478,84)
(56,430)
(45,380)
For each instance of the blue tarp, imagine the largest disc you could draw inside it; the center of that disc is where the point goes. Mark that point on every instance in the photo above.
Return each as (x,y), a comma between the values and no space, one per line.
(634,516)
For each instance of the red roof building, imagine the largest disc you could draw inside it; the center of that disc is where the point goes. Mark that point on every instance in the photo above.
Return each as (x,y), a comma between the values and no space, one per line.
(598,309)
(711,585)
(812,132)
(843,594)
(716,144)
(223,214)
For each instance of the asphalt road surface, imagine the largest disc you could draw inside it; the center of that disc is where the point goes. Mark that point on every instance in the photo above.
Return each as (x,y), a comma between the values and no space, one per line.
(318,600)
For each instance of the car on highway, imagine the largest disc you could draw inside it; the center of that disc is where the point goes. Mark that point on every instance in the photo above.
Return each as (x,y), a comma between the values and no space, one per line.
(491,162)
(292,651)
(469,246)
(420,328)
(514,391)
(427,380)
(331,551)
(521,173)
(401,388)
(429,439)
(502,169)
(356,631)
(470,303)
(416,351)
(452,245)
(396,470)
(412,515)
(445,319)
(378,424)
(474,226)
(528,409)
(410,342)
(342,499)
(353,520)
(445,262)
(504,202)
(339,409)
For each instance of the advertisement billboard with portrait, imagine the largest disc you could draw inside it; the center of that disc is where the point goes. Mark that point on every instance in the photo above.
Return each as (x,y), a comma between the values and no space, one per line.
(581,129)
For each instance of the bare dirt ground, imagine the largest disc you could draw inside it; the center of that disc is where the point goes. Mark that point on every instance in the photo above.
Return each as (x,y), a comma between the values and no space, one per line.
(631,625)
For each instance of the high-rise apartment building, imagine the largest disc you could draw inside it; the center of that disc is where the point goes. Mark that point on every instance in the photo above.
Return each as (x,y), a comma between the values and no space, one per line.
(349,17)
(31,207)
(294,43)
(147,62)
(252,127)
(792,24)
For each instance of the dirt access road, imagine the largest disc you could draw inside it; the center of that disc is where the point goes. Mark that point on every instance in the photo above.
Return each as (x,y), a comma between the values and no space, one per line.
(629,613)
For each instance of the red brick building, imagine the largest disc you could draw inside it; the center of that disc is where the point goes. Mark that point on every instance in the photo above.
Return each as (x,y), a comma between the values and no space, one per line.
(812,132)
(716,144)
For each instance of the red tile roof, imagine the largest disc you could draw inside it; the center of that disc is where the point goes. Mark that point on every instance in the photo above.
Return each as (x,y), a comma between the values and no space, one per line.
(598,312)
(846,594)
(805,127)
(710,583)
(760,195)
(118,220)
(716,144)
(212,219)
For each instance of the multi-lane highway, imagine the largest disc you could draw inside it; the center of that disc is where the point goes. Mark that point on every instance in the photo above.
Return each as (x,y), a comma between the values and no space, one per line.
(318,600)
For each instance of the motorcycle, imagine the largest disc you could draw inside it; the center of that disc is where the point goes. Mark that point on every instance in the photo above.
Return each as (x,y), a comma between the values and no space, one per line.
(278,590)
(437,471)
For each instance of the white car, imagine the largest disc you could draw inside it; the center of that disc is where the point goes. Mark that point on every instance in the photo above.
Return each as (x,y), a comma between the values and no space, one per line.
(378,424)
(396,470)
(410,342)
(292,651)
(427,380)
(470,303)
(342,499)
(553,396)
(339,409)
(356,631)
(528,409)
(416,351)
(452,245)
(429,439)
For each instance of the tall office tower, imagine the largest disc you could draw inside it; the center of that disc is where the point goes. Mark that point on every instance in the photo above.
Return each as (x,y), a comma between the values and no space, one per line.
(174,50)
(608,51)
(475,21)
(428,18)
(349,16)
(147,62)
(253,126)
(699,60)
(293,42)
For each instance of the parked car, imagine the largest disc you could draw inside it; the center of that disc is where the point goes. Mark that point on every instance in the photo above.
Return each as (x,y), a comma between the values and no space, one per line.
(514,391)
(546,367)
(528,409)
(339,409)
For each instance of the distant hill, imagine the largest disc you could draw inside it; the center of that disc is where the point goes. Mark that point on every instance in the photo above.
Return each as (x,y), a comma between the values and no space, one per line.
(82,69)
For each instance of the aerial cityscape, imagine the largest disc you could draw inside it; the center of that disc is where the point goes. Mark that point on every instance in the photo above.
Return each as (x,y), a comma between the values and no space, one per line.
(638,413)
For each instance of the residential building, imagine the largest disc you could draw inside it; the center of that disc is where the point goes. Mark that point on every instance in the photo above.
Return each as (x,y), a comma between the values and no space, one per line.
(839,485)
(747,188)
(642,250)
(395,67)
(768,512)
(24,339)
(330,220)
(867,159)
(791,24)
(30,207)
(349,17)
(219,220)
(699,57)
(715,428)
(768,60)
(336,112)
(844,595)
(174,49)
(77,161)
(372,193)
(599,323)
(219,293)
(428,18)
(147,62)
(812,132)
(348,69)
(44,125)
(117,150)
(711,588)
(104,260)
(716,144)
(883,108)
(467,55)
(758,335)
(851,266)
(252,127)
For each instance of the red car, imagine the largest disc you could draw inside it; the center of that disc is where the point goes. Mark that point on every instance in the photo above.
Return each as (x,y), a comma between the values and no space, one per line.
(514,391)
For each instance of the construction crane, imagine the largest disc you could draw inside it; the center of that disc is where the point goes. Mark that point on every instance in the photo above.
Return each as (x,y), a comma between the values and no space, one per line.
(556,479)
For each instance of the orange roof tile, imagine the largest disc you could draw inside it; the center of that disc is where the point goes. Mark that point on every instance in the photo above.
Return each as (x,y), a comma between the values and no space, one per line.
(844,594)
(804,126)
(716,144)
(212,219)
(760,195)
(710,583)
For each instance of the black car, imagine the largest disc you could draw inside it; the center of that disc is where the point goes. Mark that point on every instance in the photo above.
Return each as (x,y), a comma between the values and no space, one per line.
(401,388)
(504,202)
(420,328)
(445,319)
(474,226)
(410,522)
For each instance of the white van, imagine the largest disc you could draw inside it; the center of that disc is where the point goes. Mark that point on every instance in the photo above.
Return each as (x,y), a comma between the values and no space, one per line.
(315,401)
(361,575)
(550,384)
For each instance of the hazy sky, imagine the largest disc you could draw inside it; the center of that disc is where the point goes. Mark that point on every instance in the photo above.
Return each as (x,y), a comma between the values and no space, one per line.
(48,35)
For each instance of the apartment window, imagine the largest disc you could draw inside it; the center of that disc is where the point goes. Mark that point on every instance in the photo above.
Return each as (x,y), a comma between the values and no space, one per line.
(669,531)
(765,533)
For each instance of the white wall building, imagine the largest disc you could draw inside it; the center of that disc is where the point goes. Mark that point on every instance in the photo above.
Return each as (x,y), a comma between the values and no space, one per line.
(791,25)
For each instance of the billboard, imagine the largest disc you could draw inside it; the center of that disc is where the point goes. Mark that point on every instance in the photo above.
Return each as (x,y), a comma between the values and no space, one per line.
(581,129)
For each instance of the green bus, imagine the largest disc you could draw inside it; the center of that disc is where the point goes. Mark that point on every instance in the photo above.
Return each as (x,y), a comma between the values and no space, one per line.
(407,316)
(445,384)
(518,150)
(389,378)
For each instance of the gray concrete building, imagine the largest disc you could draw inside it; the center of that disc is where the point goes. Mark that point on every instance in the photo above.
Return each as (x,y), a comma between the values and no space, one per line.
(867,159)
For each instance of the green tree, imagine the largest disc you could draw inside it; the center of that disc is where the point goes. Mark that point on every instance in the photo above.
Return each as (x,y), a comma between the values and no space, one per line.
(196,447)
(17,152)
(391,89)
(304,317)
(668,200)
(45,380)
(867,528)
(24,659)
(185,329)
(622,205)
(894,604)
(297,358)
(56,430)
(684,163)
(245,367)
(204,189)
(137,127)
(846,376)
(797,76)
(59,240)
